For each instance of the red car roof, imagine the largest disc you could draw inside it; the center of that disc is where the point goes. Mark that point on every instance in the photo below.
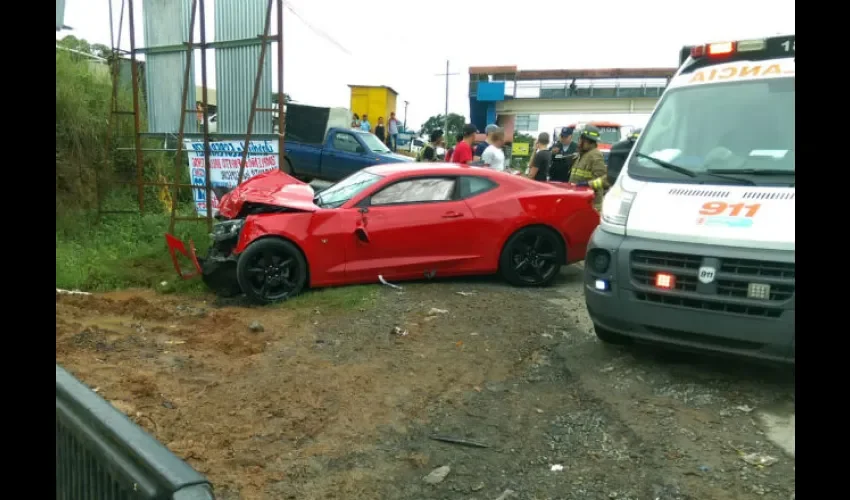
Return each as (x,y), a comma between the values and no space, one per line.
(388,169)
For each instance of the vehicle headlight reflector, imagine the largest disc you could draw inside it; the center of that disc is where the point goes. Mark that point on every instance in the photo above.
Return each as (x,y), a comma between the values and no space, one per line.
(617,204)
(227,228)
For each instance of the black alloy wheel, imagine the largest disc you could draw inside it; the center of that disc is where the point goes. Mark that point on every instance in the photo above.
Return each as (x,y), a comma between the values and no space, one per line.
(271,270)
(532,257)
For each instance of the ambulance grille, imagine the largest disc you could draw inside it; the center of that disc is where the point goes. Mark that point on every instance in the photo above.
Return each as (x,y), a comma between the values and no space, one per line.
(698,193)
(728,294)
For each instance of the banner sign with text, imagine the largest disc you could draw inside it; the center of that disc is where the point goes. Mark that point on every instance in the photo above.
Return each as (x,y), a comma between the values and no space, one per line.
(225,158)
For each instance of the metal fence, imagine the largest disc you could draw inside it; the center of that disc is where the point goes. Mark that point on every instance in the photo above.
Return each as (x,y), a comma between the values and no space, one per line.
(102,455)
(171,108)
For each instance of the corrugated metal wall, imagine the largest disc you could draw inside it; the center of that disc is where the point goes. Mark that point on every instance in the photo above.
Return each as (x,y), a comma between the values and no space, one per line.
(166,23)
(236,67)
(60,14)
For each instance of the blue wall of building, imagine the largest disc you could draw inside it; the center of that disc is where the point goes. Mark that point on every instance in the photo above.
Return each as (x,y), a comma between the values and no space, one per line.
(491,91)
(482,108)
(478,113)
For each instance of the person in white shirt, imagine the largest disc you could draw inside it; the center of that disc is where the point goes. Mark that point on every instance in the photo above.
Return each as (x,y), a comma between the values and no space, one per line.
(494,156)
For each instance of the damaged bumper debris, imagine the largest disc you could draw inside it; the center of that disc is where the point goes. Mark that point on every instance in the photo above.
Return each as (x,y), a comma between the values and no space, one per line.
(273,192)
(218,268)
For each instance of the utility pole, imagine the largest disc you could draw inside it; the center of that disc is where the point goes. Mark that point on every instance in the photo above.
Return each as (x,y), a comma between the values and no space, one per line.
(405,115)
(446,118)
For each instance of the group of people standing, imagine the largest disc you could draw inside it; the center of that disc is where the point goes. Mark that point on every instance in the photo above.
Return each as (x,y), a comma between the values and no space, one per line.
(489,153)
(579,163)
(388,135)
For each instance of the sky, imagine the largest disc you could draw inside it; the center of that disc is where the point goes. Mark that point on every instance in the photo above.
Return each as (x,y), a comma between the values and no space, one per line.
(329,44)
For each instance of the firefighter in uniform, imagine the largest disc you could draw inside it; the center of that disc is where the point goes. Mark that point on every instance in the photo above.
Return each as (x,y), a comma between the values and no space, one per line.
(619,153)
(590,170)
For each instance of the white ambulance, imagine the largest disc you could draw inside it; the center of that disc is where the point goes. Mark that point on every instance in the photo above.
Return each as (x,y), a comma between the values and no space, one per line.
(696,244)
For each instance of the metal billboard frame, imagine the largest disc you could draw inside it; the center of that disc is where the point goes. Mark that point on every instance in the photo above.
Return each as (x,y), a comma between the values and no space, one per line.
(188,47)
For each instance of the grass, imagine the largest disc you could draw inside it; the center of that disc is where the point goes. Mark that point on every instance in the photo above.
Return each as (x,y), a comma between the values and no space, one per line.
(122,251)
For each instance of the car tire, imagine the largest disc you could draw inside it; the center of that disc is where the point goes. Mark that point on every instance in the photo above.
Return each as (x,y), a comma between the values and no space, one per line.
(287,167)
(532,257)
(271,270)
(610,337)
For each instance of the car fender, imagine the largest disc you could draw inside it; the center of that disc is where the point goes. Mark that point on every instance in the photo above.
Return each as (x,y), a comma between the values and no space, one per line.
(577,228)
(318,235)
(292,227)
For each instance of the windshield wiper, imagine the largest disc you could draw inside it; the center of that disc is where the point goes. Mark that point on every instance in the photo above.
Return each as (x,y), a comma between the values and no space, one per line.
(668,165)
(752,171)
(691,173)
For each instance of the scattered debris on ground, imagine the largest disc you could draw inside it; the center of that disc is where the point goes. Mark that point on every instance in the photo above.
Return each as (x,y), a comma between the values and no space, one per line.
(503,394)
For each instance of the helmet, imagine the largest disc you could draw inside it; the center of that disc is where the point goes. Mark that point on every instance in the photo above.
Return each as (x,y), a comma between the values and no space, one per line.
(566,131)
(635,134)
(591,133)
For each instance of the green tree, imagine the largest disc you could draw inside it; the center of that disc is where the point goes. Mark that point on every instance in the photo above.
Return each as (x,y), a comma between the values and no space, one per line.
(456,123)
(78,44)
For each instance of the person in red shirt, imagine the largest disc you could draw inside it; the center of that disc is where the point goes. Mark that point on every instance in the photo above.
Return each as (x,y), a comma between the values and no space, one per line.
(463,150)
(450,152)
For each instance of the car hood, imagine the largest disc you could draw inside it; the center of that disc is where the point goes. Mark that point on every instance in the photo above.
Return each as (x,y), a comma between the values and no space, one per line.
(745,216)
(272,188)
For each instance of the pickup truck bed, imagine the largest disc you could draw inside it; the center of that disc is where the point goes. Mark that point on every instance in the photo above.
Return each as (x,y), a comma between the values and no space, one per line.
(343,152)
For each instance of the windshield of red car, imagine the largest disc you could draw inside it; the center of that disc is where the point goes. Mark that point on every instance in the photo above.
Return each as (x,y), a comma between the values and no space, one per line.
(346,189)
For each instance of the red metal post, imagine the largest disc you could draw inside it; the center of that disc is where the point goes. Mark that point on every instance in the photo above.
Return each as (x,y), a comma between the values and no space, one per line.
(178,158)
(281,101)
(206,124)
(140,160)
(257,79)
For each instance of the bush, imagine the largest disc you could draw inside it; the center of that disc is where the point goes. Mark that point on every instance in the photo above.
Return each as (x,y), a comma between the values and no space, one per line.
(119,250)
(82,110)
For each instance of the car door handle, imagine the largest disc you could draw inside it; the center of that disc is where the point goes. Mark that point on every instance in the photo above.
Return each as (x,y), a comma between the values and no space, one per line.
(452,215)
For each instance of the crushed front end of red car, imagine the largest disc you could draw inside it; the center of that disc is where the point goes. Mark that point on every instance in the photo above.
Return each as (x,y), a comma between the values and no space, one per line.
(272,192)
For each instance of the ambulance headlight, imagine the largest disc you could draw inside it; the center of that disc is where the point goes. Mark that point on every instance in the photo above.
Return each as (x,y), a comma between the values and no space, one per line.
(616,205)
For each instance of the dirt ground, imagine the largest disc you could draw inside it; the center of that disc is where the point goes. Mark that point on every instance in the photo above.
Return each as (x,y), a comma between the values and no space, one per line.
(332,402)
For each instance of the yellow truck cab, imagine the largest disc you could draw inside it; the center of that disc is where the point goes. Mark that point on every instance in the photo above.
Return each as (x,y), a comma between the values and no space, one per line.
(696,246)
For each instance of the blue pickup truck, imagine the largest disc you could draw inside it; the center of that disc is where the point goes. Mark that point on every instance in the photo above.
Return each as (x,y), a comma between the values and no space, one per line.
(320,144)
(343,152)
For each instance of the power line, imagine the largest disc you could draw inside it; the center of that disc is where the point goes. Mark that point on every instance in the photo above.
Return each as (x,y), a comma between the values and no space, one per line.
(317,31)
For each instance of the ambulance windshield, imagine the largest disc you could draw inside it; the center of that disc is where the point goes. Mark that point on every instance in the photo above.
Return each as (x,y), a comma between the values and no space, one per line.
(743,128)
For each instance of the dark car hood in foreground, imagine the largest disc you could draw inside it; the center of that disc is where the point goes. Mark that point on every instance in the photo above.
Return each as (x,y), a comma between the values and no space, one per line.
(272,188)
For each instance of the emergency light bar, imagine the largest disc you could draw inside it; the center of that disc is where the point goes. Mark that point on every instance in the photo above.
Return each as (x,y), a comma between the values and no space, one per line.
(755,49)
(727,48)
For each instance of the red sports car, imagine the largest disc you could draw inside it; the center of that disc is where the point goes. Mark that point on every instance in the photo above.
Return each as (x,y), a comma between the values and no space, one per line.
(276,236)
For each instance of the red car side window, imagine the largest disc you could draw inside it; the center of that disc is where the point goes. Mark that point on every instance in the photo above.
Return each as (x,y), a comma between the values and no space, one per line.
(471,186)
(415,191)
